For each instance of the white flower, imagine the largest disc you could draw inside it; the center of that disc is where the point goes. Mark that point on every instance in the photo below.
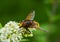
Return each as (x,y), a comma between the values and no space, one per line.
(6,40)
(12,24)
(12,32)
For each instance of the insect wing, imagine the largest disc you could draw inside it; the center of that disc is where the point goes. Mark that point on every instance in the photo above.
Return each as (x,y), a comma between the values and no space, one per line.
(30,16)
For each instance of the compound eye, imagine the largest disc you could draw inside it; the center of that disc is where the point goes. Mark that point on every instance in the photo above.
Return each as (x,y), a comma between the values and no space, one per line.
(27,22)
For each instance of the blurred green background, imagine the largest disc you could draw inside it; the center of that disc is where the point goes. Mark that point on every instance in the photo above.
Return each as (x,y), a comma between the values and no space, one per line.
(47,14)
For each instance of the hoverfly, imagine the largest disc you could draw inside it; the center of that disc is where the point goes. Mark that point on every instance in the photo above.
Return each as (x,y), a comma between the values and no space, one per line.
(30,23)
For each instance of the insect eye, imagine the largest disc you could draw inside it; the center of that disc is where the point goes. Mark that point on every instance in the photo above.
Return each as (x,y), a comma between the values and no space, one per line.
(27,22)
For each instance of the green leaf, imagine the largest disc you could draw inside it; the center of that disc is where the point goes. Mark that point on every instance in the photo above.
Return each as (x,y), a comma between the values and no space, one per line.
(0,25)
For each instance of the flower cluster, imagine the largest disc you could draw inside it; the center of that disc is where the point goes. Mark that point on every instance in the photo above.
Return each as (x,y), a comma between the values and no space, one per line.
(12,32)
